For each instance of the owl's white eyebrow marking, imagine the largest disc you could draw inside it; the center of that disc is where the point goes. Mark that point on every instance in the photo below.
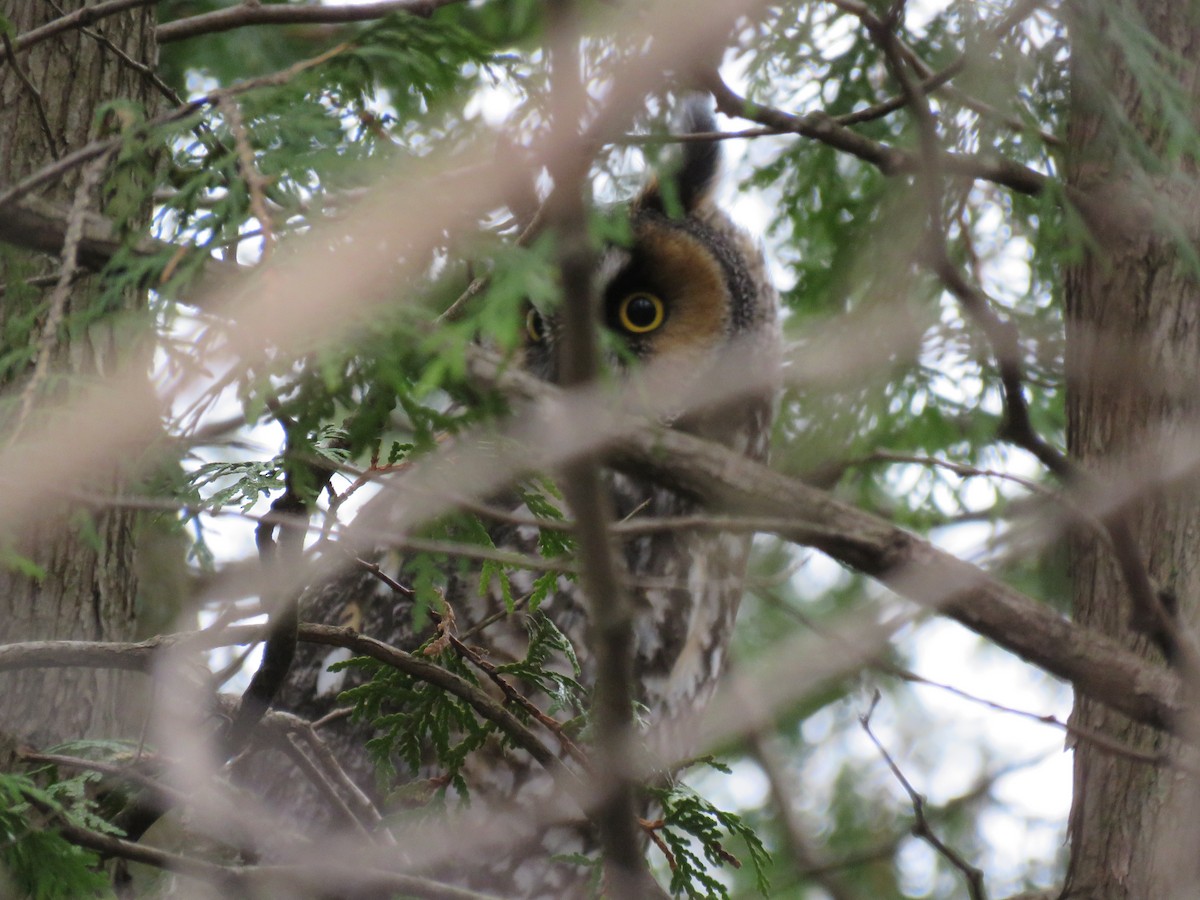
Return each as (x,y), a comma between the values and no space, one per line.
(612,261)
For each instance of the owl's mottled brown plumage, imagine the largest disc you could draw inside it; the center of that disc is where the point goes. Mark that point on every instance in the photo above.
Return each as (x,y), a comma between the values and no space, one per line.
(698,285)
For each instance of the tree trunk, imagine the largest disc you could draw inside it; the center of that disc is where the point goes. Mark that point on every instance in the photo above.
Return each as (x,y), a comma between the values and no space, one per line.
(77,578)
(1133,337)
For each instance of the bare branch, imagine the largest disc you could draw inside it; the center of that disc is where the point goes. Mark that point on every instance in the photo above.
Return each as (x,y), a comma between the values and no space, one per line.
(237,879)
(129,773)
(910,565)
(921,827)
(1073,732)
(609,608)
(85,15)
(250,13)
(940,80)
(888,159)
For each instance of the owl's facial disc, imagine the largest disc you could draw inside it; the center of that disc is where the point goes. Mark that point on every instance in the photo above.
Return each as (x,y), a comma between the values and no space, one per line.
(670,299)
(665,299)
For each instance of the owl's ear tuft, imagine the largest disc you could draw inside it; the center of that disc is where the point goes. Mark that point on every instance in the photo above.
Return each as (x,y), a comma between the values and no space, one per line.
(696,175)
(701,159)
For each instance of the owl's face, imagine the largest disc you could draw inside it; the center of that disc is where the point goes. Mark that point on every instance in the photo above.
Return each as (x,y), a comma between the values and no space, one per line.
(684,288)
(664,297)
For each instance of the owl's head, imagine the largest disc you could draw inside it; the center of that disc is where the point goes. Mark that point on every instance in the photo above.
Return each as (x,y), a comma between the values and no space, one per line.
(688,284)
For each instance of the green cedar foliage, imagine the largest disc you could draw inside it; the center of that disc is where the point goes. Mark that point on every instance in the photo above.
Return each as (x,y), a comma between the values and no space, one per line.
(696,833)
(36,862)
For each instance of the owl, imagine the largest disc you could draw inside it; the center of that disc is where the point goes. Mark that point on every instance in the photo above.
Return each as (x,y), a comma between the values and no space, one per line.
(689,284)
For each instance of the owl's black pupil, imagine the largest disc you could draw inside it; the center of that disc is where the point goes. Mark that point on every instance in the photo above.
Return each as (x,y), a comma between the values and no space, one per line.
(641,312)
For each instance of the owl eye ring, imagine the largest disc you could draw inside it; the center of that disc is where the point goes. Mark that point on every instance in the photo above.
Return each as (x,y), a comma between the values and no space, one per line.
(535,325)
(641,313)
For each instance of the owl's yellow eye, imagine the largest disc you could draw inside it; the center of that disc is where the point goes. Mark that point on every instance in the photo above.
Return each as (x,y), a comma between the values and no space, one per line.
(535,325)
(641,313)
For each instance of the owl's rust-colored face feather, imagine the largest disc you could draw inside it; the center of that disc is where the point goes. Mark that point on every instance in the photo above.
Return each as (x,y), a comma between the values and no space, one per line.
(685,288)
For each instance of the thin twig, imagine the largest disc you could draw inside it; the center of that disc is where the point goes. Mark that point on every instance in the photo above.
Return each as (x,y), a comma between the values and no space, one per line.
(921,827)
(1101,741)
(889,160)
(512,695)
(240,879)
(438,676)
(290,745)
(455,310)
(651,830)
(940,80)
(128,773)
(49,280)
(362,804)
(887,848)
(201,129)
(693,137)
(141,68)
(1162,759)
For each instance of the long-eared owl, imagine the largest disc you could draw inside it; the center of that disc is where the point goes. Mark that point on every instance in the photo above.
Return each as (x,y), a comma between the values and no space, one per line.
(687,286)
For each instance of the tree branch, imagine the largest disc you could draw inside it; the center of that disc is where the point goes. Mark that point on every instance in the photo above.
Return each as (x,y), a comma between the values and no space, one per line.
(96,148)
(431,673)
(238,879)
(1096,665)
(84,16)
(888,159)
(1149,614)
(250,13)
(610,616)
(37,224)
(34,94)
(921,827)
